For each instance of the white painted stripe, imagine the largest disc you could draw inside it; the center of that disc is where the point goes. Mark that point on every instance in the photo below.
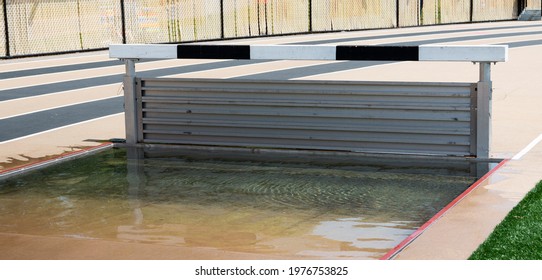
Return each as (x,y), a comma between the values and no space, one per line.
(293,52)
(278,70)
(57,107)
(228,70)
(143,51)
(52,62)
(51,82)
(142,67)
(481,53)
(59,128)
(528,148)
(48,79)
(348,70)
(119,92)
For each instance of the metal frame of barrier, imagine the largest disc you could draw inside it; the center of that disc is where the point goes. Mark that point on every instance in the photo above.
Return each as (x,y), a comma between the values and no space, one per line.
(480,106)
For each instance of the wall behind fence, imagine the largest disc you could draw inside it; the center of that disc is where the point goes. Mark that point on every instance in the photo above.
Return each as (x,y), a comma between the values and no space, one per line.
(31,27)
(349,14)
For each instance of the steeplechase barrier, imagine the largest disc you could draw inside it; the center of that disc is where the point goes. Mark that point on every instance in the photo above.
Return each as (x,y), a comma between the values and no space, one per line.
(401,118)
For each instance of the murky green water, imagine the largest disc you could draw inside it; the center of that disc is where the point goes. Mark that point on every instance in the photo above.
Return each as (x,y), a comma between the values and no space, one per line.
(278,209)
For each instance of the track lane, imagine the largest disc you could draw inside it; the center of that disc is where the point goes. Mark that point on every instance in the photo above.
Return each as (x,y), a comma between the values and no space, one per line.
(34,115)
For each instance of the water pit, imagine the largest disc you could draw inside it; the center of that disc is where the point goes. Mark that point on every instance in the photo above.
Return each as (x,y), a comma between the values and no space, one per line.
(274,209)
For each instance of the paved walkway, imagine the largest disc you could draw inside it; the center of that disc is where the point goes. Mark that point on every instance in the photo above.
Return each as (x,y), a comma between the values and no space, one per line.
(53,105)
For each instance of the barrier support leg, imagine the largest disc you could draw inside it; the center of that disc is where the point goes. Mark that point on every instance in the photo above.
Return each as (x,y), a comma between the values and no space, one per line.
(483,120)
(130,102)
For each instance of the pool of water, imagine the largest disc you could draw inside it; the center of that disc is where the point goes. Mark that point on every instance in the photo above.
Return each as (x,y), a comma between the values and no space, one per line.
(296,210)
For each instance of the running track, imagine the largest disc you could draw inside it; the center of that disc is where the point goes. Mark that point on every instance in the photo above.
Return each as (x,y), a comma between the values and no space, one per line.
(88,86)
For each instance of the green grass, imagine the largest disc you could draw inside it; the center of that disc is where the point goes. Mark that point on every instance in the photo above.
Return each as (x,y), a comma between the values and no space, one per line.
(519,235)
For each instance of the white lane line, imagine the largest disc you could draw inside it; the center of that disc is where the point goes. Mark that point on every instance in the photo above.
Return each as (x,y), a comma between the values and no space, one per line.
(102,72)
(310,64)
(118,71)
(45,63)
(57,107)
(528,148)
(52,82)
(119,84)
(226,76)
(59,128)
(348,70)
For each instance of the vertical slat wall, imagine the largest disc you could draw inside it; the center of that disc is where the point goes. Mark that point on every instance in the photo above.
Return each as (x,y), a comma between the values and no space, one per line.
(443,11)
(41,27)
(455,11)
(100,23)
(409,13)
(534,4)
(330,15)
(160,21)
(56,26)
(401,118)
(243,18)
(484,10)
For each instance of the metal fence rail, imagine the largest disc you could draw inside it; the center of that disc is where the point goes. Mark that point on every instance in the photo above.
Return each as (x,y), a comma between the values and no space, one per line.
(32,27)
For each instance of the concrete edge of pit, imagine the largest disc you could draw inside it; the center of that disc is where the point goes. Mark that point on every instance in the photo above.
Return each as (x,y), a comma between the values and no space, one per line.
(411,238)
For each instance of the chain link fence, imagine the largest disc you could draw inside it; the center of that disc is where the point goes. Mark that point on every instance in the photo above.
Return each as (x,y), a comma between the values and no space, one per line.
(159,21)
(330,15)
(246,18)
(49,26)
(534,4)
(445,12)
(485,10)
(33,27)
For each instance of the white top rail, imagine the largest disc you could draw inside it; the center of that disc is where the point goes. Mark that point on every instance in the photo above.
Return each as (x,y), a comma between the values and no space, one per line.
(474,53)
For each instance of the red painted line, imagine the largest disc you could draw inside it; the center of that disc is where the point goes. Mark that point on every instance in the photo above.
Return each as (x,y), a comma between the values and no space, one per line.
(55,159)
(397,249)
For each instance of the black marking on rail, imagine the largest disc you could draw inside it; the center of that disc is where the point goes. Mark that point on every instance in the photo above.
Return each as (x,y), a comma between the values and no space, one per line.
(378,53)
(214,51)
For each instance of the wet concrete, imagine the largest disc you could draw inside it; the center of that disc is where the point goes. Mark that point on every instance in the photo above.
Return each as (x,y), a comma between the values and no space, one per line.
(458,233)
(57,142)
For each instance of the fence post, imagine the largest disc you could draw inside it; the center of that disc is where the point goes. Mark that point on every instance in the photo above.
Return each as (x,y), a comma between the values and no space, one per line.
(419,15)
(483,119)
(130,102)
(310,15)
(222,19)
(6,27)
(397,12)
(123,21)
(521,6)
(471,10)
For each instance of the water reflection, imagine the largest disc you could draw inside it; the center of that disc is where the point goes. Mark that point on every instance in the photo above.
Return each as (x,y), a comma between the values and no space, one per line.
(305,211)
(361,239)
